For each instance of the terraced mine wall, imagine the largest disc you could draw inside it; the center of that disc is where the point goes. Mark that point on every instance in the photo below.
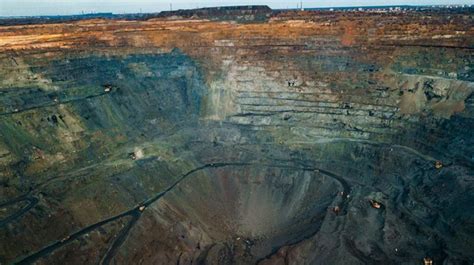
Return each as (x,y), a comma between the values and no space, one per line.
(198,142)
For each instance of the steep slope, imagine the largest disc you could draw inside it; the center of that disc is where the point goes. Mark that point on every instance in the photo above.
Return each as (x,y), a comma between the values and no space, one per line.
(193,141)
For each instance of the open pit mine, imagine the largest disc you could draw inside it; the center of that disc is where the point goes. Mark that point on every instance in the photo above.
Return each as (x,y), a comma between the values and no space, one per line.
(239,135)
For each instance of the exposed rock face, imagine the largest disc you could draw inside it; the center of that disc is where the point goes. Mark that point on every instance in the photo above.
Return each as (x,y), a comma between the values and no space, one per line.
(184,142)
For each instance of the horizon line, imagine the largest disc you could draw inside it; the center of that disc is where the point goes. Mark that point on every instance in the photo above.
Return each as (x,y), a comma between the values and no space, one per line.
(304,8)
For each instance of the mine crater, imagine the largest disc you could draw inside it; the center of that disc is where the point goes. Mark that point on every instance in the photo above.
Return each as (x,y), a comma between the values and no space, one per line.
(235,136)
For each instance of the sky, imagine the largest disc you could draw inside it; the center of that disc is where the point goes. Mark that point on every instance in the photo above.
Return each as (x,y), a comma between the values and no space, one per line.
(69,7)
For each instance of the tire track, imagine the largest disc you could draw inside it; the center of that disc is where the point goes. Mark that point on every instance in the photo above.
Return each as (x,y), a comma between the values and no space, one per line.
(32,201)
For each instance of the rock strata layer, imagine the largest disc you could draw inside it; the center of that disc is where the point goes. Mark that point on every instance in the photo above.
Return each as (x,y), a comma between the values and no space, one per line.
(196,141)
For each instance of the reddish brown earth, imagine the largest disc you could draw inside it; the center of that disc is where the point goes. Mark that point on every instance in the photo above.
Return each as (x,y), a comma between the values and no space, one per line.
(194,141)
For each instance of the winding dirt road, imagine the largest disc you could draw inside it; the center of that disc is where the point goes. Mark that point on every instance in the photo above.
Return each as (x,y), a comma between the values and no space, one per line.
(135,213)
